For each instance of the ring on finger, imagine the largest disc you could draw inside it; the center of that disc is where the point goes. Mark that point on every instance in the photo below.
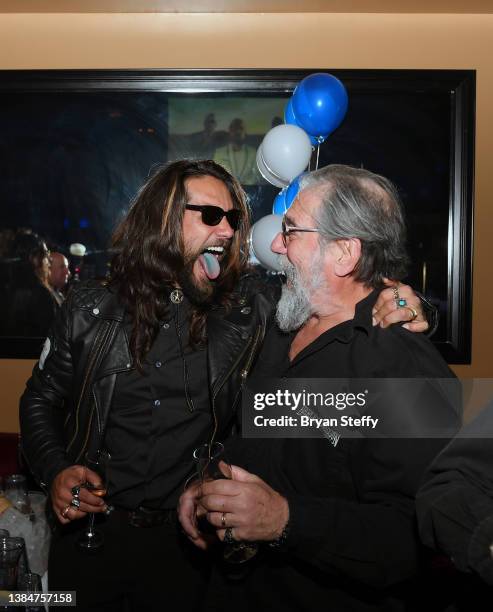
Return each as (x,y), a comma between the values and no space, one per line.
(414,313)
(75,491)
(228,536)
(399,302)
(75,502)
(64,512)
(223,520)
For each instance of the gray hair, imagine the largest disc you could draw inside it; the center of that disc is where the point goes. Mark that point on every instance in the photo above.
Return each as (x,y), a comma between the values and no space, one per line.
(356,203)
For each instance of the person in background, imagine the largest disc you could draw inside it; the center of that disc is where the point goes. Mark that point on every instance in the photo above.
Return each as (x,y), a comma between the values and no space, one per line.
(59,275)
(237,157)
(204,144)
(455,510)
(29,306)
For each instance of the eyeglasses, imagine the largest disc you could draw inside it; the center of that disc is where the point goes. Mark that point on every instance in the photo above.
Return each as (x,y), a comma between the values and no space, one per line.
(213,215)
(287,230)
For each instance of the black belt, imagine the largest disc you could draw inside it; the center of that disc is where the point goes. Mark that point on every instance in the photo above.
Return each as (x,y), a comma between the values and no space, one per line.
(147,517)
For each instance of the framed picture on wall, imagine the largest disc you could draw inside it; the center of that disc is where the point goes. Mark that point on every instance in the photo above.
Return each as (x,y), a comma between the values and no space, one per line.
(76,145)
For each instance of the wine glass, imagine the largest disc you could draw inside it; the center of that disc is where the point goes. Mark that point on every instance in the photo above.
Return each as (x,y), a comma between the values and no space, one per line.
(212,464)
(92,539)
(16,492)
(31,584)
(10,553)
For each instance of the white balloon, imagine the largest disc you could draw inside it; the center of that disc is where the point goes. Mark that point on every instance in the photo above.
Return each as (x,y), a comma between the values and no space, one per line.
(268,176)
(77,249)
(286,152)
(263,233)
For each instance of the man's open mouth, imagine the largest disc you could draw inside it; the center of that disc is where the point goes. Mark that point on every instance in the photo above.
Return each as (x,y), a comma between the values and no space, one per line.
(209,260)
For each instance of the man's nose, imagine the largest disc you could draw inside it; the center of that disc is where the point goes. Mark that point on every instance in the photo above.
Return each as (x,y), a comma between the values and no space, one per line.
(224,229)
(277,245)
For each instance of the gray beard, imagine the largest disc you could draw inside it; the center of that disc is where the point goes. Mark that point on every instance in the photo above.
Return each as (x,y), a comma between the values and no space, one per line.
(295,308)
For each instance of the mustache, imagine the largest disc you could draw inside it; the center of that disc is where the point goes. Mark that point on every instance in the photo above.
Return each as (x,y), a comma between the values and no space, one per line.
(284,264)
(289,270)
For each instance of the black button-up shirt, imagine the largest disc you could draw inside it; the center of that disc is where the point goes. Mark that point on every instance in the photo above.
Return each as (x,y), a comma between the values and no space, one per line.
(351,505)
(152,429)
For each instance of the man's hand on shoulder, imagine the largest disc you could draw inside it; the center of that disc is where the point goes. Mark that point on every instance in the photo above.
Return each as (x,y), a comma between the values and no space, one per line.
(387,312)
(65,484)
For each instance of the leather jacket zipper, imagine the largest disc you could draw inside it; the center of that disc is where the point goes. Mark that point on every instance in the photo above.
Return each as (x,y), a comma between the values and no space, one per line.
(95,353)
(258,336)
(107,341)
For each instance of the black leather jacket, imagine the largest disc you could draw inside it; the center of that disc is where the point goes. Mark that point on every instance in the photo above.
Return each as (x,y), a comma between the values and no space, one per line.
(64,408)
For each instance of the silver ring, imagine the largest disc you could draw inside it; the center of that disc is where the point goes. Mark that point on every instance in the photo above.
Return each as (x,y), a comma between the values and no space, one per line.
(228,536)
(399,302)
(75,503)
(75,491)
(223,520)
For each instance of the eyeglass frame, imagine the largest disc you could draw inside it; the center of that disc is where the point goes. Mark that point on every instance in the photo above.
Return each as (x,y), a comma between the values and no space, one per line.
(224,213)
(286,230)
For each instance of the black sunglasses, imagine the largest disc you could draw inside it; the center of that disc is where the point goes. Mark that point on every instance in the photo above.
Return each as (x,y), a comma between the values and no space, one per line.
(213,215)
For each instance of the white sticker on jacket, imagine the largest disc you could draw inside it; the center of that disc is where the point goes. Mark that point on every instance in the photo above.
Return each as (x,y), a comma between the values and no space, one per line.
(44,353)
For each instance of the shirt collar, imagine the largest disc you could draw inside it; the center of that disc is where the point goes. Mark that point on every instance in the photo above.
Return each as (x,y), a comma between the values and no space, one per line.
(345,332)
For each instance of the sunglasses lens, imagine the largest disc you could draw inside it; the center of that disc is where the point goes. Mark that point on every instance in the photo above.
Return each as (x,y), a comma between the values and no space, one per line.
(212,215)
(233,217)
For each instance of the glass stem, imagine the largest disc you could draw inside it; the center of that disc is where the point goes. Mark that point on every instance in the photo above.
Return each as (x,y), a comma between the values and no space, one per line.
(90,528)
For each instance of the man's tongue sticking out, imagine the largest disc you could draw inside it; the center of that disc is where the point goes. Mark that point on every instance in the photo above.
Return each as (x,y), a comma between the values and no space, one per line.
(211,265)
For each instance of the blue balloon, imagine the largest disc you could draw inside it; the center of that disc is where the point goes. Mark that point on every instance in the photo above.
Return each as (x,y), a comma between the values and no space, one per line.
(285,197)
(319,104)
(279,207)
(290,119)
(292,191)
(289,113)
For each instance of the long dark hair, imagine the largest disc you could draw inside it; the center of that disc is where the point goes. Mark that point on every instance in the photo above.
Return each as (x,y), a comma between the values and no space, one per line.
(28,251)
(149,249)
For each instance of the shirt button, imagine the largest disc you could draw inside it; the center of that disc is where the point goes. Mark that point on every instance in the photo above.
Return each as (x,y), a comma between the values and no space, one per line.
(157,403)
(165,325)
(158,364)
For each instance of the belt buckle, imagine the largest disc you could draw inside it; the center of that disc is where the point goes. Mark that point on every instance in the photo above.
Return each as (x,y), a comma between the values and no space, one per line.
(147,518)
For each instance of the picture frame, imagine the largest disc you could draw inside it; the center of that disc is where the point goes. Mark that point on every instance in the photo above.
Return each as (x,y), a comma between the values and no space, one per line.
(414,126)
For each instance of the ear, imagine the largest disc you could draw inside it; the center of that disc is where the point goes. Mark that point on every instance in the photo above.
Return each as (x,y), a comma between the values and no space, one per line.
(347,254)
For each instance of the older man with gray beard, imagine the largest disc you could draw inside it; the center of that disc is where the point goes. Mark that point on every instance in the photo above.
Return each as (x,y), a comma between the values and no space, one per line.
(335,519)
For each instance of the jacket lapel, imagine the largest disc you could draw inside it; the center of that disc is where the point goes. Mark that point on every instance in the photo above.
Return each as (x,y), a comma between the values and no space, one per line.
(117,356)
(117,359)
(226,342)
